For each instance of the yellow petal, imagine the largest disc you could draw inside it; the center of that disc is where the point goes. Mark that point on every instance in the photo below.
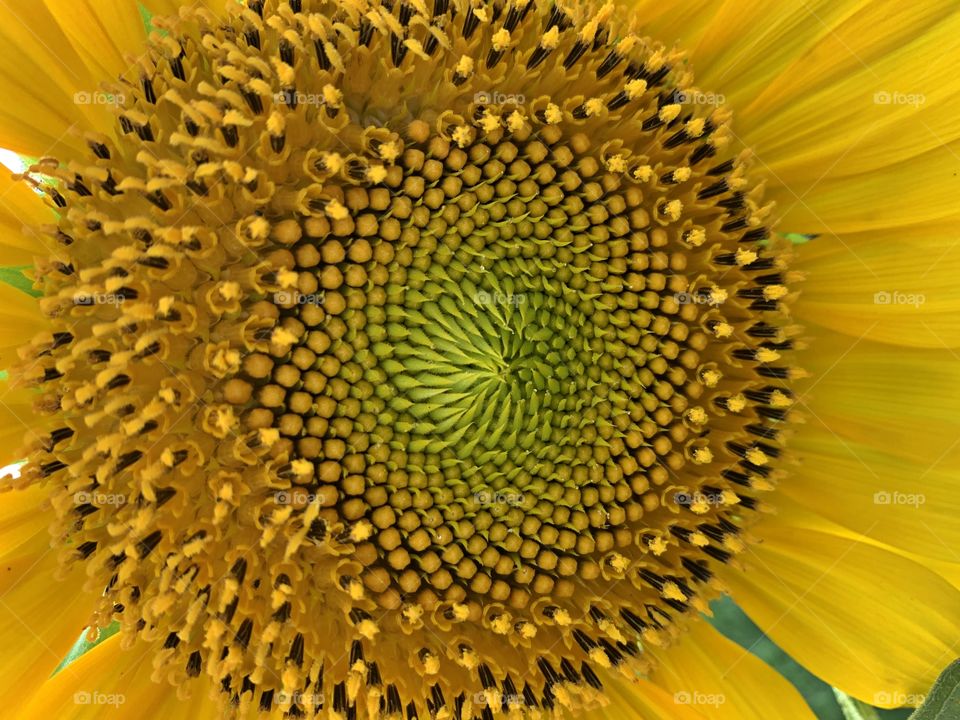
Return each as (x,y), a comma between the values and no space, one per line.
(911,505)
(950,571)
(109,33)
(840,100)
(748,44)
(723,681)
(881,200)
(20,320)
(641,699)
(102,31)
(870,394)
(39,74)
(898,287)
(871,88)
(866,620)
(19,207)
(110,682)
(40,618)
(17,422)
(683,21)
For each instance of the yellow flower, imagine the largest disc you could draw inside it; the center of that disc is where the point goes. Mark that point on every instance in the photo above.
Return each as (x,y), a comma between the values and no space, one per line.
(438,359)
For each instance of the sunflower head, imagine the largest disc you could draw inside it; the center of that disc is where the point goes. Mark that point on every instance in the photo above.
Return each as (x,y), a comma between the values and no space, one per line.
(407,358)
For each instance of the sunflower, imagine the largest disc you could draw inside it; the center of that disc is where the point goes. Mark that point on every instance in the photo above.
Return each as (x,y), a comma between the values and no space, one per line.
(394,359)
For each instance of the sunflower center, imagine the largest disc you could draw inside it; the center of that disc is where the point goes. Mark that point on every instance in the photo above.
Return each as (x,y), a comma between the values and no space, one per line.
(417,401)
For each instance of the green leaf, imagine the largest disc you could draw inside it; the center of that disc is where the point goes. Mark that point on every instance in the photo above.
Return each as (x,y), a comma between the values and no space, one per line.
(943,701)
(82,645)
(14,277)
